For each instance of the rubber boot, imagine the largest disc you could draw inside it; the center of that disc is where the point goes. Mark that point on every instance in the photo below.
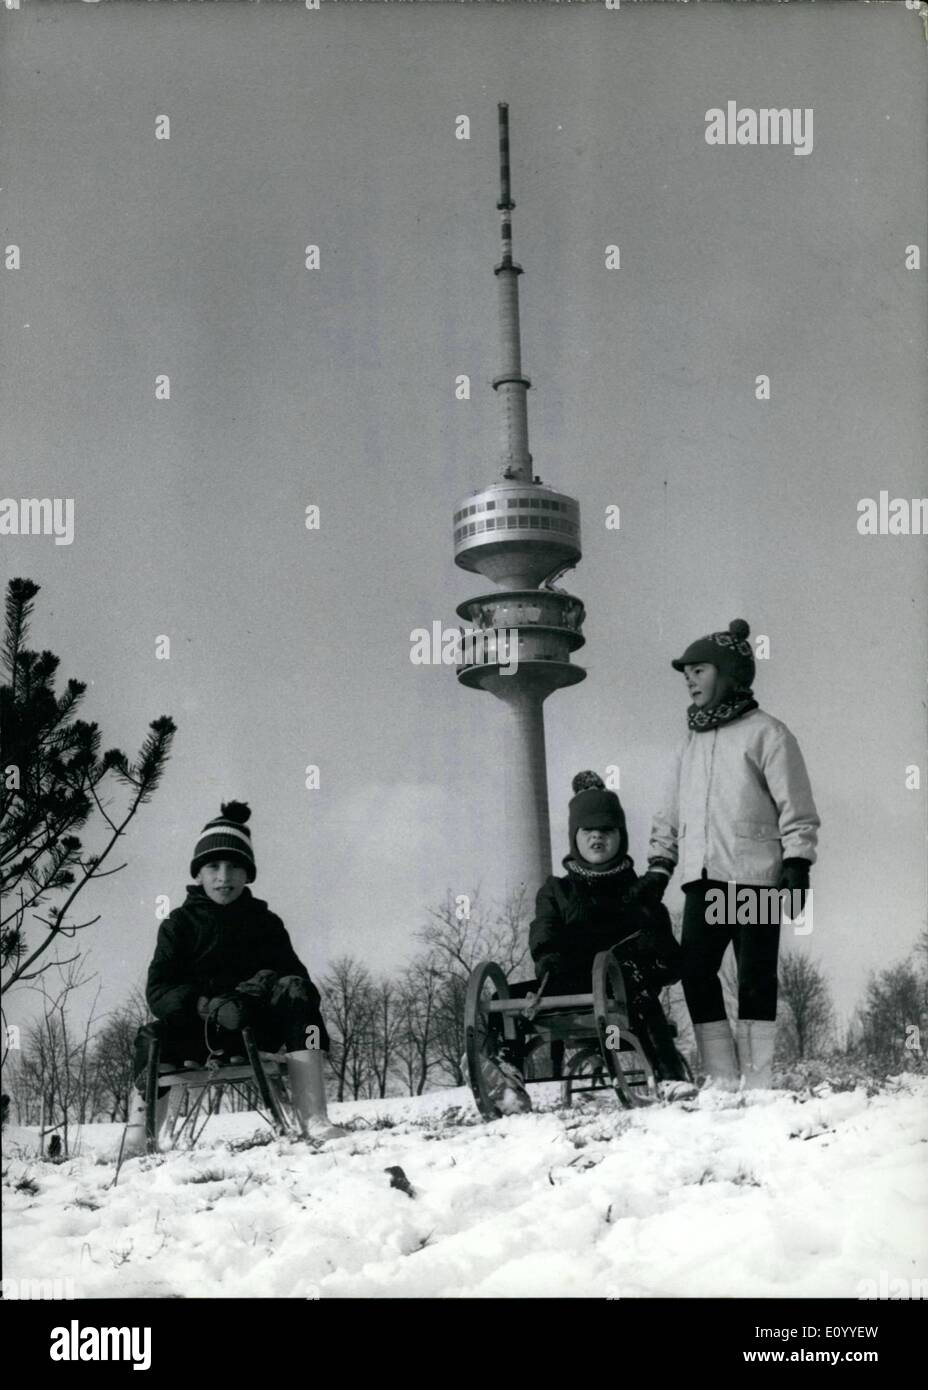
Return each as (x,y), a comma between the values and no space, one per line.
(506,1084)
(676,1090)
(307,1088)
(717,1054)
(756,1038)
(133,1143)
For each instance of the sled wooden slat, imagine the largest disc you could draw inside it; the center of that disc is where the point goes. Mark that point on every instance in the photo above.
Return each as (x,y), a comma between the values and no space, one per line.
(556,1001)
(207,1076)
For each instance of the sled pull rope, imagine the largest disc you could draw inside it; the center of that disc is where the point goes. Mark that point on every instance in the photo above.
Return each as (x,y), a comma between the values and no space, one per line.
(214,1053)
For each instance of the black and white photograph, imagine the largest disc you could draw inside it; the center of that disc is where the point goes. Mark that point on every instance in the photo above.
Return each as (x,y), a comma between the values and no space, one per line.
(464,525)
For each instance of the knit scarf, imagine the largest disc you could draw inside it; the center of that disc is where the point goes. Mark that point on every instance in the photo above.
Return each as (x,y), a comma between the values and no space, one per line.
(593,873)
(739,703)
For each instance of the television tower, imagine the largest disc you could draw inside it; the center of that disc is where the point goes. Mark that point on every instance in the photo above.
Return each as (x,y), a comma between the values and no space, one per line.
(521,535)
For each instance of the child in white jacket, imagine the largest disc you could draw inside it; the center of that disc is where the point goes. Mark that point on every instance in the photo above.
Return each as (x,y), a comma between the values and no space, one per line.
(738,817)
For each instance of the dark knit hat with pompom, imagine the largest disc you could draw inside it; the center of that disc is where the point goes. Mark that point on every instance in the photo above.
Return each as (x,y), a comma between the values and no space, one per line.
(594,806)
(730,651)
(226,837)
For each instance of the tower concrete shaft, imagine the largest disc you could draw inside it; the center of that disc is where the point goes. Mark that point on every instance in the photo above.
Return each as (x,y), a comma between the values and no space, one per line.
(520,535)
(526,820)
(527,824)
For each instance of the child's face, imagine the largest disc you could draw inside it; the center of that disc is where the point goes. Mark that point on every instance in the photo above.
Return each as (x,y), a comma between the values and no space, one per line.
(703,683)
(222,880)
(598,843)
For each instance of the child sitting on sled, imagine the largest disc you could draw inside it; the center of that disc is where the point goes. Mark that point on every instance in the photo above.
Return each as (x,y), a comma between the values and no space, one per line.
(594,907)
(224,962)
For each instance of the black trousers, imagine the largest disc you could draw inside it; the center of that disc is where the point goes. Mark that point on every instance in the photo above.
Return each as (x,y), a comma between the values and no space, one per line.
(705,943)
(281,1019)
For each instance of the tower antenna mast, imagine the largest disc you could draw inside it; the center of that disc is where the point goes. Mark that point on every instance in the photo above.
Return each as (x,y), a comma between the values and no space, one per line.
(511,385)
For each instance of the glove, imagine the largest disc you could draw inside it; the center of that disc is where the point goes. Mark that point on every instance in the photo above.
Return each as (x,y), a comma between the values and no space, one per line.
(651,887)
(657,950)
(227,1010)
(794,877)
(290,990)
(259,987)
(549,964)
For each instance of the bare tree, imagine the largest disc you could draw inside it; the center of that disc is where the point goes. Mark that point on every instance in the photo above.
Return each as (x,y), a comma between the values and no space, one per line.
(113,1056)
(893,1007)
(384,1024)
(346,988)
(419,991)
(359,1077)
(464,931)
(18,1084)
(921,950)
(448,1031)
(806,1014)
(53,1080)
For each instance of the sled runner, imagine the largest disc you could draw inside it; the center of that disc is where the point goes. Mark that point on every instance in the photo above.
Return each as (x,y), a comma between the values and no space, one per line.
(196,1094)
(504,1026)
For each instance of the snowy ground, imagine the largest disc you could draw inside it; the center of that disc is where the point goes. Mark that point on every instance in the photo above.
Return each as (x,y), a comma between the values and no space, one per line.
(769,1194)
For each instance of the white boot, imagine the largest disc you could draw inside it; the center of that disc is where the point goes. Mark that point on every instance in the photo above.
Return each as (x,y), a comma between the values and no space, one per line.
(307,1087)
(717,1053)
(756,1038)
(134,1143)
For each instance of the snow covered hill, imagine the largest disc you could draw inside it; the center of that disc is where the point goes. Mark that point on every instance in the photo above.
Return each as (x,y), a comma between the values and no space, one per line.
(767,1194)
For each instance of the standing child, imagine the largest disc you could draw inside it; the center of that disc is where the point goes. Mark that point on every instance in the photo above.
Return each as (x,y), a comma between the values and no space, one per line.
(738,811)
(224,962)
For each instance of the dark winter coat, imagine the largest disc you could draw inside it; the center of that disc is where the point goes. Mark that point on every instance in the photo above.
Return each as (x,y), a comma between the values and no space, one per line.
(577,917)
(207,949)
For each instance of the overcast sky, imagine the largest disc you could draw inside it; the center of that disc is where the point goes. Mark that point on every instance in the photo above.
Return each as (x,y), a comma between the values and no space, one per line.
(336,387)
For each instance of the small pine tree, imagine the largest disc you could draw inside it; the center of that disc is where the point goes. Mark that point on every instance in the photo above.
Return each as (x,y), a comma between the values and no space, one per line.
(51,776)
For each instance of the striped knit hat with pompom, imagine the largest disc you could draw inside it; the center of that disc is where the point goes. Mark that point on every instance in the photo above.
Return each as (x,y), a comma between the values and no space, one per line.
(730,652)
(226,837)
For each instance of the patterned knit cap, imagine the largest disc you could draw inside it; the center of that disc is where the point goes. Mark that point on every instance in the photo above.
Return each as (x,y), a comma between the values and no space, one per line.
(226,837)
(730,651)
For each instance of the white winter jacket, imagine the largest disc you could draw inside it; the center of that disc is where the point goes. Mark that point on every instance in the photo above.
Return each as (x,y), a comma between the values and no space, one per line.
(737,803)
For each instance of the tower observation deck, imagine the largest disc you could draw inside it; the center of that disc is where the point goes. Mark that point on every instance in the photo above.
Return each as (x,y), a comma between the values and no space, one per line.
(520,534)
